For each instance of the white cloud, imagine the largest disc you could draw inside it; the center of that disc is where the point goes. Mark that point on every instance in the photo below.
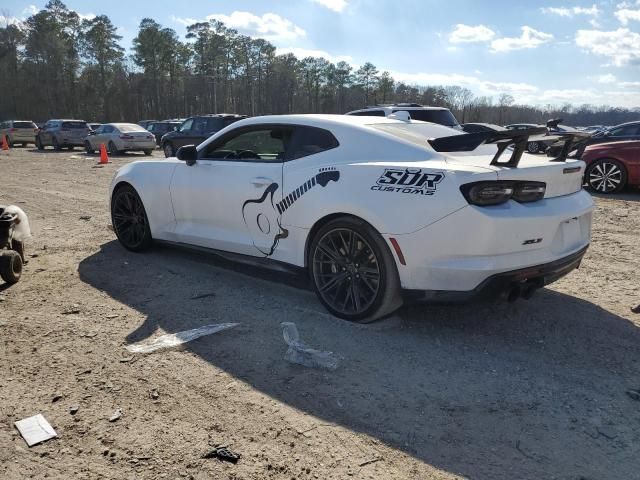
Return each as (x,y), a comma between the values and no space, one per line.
(469,34)
(530,38)
(621,46)
(30,10)
(6,20)
(86,16)
(335,5)
(624,15)
(608,78)
(592,11)
(301,53)
(269,26)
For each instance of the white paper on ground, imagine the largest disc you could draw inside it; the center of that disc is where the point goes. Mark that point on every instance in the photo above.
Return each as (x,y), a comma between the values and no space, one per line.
(298,352)
(173,339)
(35,429)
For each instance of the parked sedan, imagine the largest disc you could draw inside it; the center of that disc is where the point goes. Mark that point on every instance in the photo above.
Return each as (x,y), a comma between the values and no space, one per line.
(369,206)
(119,138)
(18,131)
(623,132)
(62,134)
(482,127)
(612,166)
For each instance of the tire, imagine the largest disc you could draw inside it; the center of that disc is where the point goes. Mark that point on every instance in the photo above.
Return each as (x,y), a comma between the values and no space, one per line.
(39,144)
(533,147)
(24,145)
(10,266)
(148,152)
(56,146)
(88,148)
(113,150)
(347,287)
(606,176)
(10,143)
(129,219)
(168,150)
(71,148)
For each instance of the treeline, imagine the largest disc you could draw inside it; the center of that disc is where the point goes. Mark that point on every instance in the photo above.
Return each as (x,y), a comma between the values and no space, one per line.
(56,64)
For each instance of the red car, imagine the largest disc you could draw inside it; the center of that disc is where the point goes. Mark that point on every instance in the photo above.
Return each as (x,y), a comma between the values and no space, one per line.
(612,166)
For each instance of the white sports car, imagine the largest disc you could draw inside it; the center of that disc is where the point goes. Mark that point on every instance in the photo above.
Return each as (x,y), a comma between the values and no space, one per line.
(375,208)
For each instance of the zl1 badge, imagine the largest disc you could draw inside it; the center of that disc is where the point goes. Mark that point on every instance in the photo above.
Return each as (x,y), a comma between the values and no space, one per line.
(408,180)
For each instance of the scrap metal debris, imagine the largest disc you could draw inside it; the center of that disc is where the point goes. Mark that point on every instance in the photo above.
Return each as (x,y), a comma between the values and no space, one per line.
(35,429)
(173,339)
(116,415)
(224,454)
(299,353)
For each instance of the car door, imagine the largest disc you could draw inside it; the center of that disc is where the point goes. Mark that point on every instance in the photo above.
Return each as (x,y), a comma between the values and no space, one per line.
(185,135)
(228,199)
(45,133)
(94,139)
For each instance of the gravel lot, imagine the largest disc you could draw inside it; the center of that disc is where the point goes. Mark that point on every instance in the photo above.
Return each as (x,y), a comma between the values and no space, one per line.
(530,390)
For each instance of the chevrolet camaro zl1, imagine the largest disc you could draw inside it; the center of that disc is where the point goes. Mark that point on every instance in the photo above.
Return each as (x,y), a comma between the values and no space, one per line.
(376,209)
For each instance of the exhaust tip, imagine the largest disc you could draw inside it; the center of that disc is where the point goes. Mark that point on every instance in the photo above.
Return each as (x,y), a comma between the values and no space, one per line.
(514,294)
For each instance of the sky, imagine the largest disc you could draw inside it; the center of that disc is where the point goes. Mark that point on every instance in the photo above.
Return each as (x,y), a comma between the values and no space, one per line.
(541,52)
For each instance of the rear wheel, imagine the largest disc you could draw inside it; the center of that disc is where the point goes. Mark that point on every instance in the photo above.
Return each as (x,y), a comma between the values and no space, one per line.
(56,145)
(39,144)
(606,176)
(129,219)
(533,147)
(353,272)
(24,145)
(113,150)
(10,266)
(148,152)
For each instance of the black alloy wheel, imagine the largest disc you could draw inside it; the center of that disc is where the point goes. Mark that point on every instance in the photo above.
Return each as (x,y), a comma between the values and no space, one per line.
(129,219)
(533,147)
(606,176)
(353,272)
(168,150)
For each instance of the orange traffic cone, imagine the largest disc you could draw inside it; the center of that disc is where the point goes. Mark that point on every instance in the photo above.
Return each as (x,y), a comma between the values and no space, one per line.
(104,158)
(5,145)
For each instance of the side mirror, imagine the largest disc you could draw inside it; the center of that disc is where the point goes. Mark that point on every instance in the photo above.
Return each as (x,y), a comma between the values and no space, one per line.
(92,132)
(188,154)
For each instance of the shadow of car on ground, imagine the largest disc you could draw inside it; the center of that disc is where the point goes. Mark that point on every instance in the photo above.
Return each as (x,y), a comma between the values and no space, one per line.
(526,390)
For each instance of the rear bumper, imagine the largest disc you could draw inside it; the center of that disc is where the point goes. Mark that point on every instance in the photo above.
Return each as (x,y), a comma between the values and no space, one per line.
(512,284)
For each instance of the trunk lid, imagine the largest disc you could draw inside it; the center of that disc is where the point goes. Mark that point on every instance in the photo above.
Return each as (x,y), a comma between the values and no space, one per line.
(562,178)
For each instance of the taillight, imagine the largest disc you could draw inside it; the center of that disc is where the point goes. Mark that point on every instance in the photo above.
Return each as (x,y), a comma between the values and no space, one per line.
(494,193)
(126,137)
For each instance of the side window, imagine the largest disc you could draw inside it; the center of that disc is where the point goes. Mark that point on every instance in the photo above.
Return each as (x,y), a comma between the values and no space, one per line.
(186,125)
(107,129)
(262,144)
(200,125)
(213,125)
(310,140)
(153,127)
(99,130)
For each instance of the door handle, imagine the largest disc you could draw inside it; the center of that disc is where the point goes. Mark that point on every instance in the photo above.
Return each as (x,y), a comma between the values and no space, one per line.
(261,181)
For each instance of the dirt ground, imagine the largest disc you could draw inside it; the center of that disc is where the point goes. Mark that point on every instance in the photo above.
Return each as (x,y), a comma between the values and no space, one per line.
(530,390)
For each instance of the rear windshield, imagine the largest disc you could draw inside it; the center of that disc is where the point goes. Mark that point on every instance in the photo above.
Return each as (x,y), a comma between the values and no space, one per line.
(23,125)
(442,117)
(131,128)
(420,134)
(74,125)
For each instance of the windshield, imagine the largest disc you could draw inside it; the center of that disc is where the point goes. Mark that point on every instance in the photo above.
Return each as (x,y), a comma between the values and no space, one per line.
(441,117)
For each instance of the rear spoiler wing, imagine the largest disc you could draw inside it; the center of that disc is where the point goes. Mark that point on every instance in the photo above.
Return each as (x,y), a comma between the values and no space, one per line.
(518,138)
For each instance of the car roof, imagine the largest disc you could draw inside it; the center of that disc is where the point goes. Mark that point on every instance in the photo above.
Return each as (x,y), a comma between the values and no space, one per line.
(398,107)
(65,120)
(319,120)
(120,124)
(635,122)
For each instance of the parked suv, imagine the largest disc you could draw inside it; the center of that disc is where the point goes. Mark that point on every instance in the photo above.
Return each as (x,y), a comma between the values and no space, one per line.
(18,131)
(160,128)
(439,115)
(195,130)
(62,133)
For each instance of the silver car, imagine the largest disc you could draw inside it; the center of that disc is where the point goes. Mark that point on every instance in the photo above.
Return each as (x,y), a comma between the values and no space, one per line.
(119,138)
(18,131)
(62,134)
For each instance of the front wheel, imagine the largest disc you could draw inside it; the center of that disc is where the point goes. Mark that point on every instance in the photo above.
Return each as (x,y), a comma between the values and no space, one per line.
(353,271)
(129,219)
(533,147)
(168,150)
(88,148)
(606,176)
(10,266)
(56,145)
(39,144)
(148,152)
